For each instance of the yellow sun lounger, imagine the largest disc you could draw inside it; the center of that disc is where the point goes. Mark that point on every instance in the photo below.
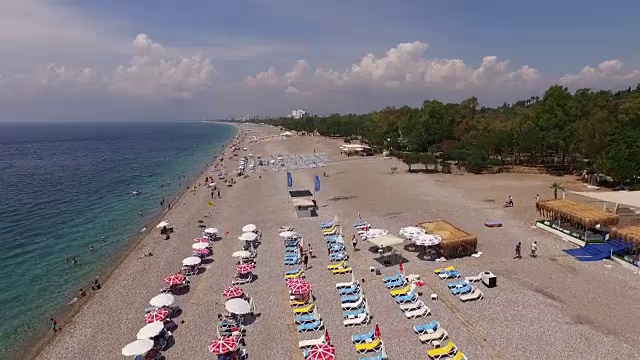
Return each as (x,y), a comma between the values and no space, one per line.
(368,346)
(296,275)
(336,266)
(458,356)
(342,270)
(401,291)
(441,352)
(299,303)
(448,268)
(304,309)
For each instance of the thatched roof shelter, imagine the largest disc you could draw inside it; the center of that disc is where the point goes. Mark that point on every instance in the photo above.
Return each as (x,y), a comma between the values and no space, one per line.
(455,242)
(578,215)
(628,234)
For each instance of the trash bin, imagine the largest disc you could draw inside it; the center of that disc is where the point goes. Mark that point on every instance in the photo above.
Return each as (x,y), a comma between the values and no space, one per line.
(489,279)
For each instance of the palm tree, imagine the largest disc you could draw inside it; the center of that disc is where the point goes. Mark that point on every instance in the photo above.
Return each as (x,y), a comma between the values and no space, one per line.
(556,186)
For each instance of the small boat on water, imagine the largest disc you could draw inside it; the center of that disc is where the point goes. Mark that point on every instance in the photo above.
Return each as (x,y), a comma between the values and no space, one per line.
(136,192)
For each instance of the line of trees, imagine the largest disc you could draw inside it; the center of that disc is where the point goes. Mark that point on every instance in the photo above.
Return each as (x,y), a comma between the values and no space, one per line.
(597,131)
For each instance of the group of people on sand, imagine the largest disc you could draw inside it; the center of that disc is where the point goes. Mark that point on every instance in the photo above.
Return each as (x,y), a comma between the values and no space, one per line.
(534,250)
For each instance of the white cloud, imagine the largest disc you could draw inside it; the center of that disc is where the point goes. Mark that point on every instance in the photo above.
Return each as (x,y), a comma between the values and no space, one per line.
(271,78)
(143,46)
(608,74)
(145,75)
(404,66)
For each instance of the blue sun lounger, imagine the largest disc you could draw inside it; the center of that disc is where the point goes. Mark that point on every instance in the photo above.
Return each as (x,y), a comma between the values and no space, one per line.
(462,290)
(407,298)
(361,338)
(353,313)
(339,256)
(350,298)
(455,284)
(393,278)
(292,271)
(350,290)
(426,328)
(311,326)
(394,284)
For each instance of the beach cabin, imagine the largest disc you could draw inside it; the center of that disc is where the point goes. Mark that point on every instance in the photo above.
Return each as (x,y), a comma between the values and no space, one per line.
(356,149)
(455,242)
(303,203)
(579,223)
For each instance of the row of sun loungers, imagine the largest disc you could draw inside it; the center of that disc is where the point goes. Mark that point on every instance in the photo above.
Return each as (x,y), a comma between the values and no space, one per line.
(463,288)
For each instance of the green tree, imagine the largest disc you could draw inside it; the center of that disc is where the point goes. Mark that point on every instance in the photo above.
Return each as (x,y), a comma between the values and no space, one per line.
(556,186)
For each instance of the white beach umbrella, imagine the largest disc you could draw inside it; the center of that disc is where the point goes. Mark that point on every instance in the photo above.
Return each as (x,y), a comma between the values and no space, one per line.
(286,234)
(211,231)
(427,240)
(238,306)
(249,228)
(199,245)
(162,224)
(150,330)
(138,347)
(248,236)
(191,261)
(241,254)
(162,300)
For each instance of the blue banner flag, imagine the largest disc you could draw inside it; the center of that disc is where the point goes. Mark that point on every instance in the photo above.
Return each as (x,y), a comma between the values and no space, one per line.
(289,179)
(317,183)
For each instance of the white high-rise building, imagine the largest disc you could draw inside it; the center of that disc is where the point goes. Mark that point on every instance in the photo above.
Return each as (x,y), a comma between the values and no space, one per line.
(299,114)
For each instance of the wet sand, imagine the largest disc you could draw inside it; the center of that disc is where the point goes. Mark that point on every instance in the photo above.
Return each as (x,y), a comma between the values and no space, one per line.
(547,307)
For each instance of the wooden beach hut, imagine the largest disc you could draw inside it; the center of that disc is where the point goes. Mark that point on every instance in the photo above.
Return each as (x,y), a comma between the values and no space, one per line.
(455,242)
(578,215)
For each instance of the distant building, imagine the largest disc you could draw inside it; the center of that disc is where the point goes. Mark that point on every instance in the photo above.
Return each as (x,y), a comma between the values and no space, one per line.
(299,114)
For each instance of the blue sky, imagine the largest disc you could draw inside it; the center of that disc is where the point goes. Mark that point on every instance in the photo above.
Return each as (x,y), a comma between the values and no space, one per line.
(219,58)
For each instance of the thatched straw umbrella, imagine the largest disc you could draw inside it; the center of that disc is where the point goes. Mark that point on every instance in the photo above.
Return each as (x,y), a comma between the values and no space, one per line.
(455,242)
(627,234)
(578,215)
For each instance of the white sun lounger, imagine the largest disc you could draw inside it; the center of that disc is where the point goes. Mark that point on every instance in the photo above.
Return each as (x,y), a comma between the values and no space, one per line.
(419,312)
(347,284)
(476,294)
(411,306)
(440,334)
(358,320)
(312,342)
(353,305)
(474,278)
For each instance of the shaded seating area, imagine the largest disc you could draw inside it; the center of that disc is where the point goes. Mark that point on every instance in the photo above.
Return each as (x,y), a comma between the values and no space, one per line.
(628,239)
(576,222)
(454,242)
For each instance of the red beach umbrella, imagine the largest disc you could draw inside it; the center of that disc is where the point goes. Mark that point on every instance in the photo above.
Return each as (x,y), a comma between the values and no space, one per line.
(157,315)
(174,279)
(202,240)
(327,339)
(289,282)
(322,352)
(232,292)
(222,345)
(201,251)
(376,332)
(244,268)
(299,287)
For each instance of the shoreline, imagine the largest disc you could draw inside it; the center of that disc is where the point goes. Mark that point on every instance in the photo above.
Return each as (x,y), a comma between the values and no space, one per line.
(32,347)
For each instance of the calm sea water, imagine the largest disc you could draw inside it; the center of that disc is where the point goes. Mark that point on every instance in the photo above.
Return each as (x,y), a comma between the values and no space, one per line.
(65,186)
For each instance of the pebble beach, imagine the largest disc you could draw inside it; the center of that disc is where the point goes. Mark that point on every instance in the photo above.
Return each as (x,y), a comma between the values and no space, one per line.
(549,307)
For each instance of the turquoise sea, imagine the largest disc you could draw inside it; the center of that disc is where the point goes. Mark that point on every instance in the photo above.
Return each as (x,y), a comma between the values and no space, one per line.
(65,186)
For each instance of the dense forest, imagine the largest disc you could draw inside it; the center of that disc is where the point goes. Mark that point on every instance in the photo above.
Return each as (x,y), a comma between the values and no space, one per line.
(596,131)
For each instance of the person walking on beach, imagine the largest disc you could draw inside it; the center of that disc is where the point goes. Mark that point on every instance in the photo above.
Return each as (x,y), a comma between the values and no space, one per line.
(537,197)
(54,325)
(518,248)
(305,260)
(354,242)
(310,251)
(534,248)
